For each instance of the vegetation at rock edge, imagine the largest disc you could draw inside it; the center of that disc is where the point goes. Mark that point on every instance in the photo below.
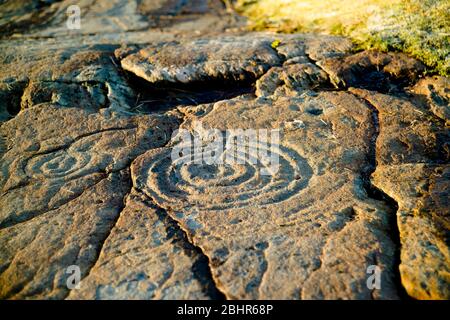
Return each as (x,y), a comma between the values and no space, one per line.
(419,28)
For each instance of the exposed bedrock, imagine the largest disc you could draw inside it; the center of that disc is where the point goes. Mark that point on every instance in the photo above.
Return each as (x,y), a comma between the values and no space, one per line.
(88,177)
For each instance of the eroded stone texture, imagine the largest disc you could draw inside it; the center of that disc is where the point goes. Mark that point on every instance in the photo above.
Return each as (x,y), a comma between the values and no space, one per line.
(62,74)
(372,70)
(232,58)
(437,93)
(49,18)
(36,254)
(146,256)
(203,59)
(296,77)
(54,154)
(20,14)
(412,157)
(64,177)
(76,66)
(309,229)
(92,96)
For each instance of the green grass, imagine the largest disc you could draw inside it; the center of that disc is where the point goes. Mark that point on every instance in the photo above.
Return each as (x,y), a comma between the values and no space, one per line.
(419,28)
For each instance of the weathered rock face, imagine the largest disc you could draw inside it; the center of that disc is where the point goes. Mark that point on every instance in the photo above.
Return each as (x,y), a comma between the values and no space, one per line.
(75,66)
(372,70)
(54,154)
(200,60)
(36,254)
(436,90)
(412,156)
(64,169)
(49,18)
(146,256)
(91,178)
(287,234)
(232,58)
(85,76)
(291,77)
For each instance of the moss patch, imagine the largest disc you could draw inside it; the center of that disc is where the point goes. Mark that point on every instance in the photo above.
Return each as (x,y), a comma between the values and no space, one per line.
(420,28)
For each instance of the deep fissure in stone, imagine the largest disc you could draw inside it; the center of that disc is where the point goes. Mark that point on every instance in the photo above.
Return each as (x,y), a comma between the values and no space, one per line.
(200,268)
(162,97)
(378,194)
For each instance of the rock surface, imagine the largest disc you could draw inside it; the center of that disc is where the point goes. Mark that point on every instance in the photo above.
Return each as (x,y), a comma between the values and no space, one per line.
(372,69)
(302,232)
(63,188)
(412,156)
(88,135)
(436,90)
(146,256)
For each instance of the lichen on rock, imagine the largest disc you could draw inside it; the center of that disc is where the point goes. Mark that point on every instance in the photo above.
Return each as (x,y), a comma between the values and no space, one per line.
(91,120)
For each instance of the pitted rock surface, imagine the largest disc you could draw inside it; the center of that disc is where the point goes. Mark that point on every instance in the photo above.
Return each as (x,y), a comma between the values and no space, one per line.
(413,154)
(291,231)
(167,267)
(54,154)
(89,127)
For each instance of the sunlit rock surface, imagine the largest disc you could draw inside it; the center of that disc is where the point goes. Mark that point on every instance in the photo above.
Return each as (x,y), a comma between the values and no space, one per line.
(89,125)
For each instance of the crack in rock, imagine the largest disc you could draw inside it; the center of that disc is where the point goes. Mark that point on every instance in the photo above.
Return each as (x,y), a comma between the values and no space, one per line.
(410,154)
(83,108)
(168,267)
(226,215)
(162,97)
(77,230)
(108,234)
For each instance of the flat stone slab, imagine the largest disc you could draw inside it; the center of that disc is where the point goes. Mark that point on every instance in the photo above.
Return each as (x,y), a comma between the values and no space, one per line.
(345,170)
(67,169)
(412,157)
(146,257)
